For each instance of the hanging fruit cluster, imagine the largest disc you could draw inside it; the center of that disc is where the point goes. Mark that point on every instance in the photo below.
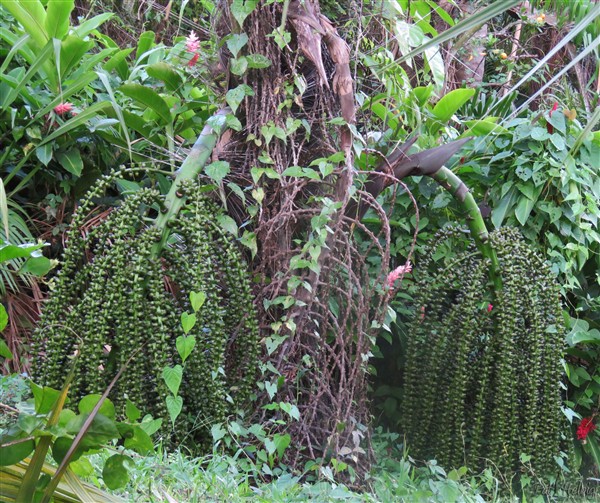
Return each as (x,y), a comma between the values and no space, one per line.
(482,382)
(116,295)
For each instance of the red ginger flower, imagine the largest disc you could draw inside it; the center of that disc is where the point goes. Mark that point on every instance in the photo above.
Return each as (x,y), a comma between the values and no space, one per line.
(585,428)
(63,108)
(489,308)
(194,59)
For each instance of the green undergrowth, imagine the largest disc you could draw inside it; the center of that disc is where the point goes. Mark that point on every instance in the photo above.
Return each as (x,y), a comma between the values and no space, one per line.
(175,476)
(395,477)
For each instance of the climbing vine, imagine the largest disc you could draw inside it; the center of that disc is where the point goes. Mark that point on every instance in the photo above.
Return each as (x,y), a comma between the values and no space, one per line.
(115,294)
(483,372)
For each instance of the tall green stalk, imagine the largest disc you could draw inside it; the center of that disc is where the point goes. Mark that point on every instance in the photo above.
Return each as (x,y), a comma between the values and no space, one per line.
(453,184)
(190,169)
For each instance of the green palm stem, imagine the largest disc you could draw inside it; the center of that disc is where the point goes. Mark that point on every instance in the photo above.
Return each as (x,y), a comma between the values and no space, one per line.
(189,170)
(453,184)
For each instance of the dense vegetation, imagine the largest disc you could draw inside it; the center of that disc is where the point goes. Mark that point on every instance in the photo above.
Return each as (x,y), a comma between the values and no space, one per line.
(299,250)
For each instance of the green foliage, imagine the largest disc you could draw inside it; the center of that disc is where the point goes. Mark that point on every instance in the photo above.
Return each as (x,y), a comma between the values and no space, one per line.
(24,445)
(582,367)
(481,383)
(110,300)
(534,179)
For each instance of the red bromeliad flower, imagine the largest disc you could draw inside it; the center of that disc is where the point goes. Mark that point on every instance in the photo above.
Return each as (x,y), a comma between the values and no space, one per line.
(489,308)
(63,108)
(585,428)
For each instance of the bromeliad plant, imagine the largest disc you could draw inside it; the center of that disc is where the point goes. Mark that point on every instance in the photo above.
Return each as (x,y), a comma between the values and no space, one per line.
(126,284)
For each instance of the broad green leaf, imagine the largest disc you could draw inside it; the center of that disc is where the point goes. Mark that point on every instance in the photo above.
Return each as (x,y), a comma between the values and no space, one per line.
(43,58)
(217,170)
(44,153)
(101,430)
(233,122)
(434,58)
(132,412)
(174,406)
(172,377)
(71,161)
(32,16)
(271,389)
(523,209)
(140,442)
(166,73)
(301,172)
(57,17)
(44,397)
(557,119)
(12,450)
(484,128)
(235,96)
(90,25)
(235,43)
(3,322)
(187,321)
(114,473)
(61,446)
(558,141)
(539,133)
(88,402)
(249,240)
(422,94)
(151,426)
(227,223)
(9,252)
(118,62)
(148,98)
(451,102)
(241,9)
(238,66)
(5,352)
(185,346)
(218,432)
(145,43)
(282,441)
(197,300)
(584,337)
(258,61)
(38,266)
(500,211)
(72,51)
